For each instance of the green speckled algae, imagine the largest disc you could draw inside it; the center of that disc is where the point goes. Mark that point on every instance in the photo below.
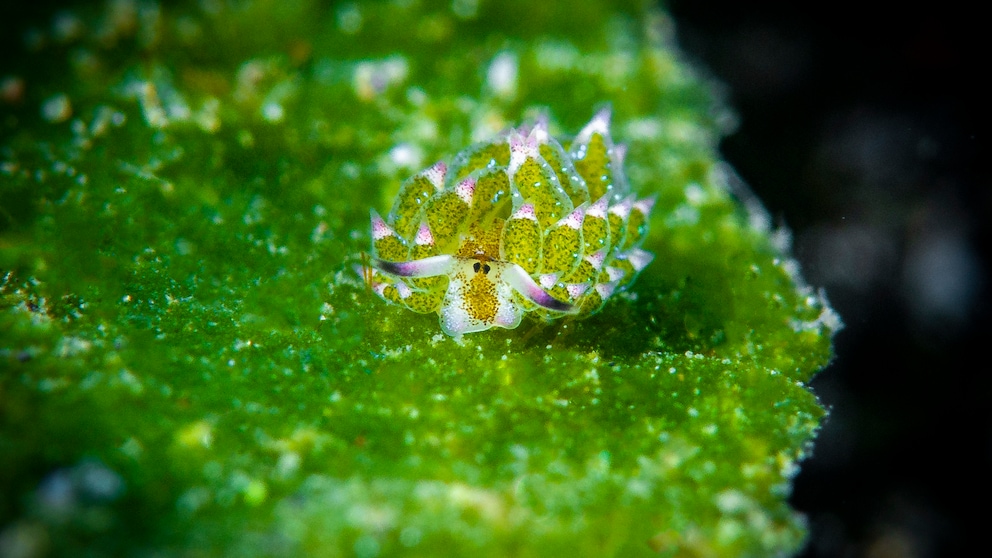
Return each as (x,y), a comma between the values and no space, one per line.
(189,364)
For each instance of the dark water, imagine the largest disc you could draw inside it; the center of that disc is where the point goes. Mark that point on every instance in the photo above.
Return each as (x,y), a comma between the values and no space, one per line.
(861,129)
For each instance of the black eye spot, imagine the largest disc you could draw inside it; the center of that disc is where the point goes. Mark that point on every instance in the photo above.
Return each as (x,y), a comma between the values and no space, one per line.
(485,269)
(477,266)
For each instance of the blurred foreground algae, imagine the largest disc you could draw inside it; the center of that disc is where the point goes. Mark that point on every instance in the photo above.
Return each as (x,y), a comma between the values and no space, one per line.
(189,366)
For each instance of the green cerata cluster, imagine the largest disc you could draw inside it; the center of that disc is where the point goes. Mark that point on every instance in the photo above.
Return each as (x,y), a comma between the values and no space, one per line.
(514,225)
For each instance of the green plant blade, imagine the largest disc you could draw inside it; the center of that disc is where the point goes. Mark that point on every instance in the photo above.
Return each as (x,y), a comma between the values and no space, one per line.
(189,363)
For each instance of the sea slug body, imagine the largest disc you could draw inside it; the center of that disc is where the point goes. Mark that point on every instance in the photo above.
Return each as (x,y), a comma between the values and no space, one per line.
(514,225)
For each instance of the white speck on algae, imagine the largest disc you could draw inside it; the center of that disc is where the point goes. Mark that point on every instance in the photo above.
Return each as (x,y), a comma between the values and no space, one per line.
(56,108)
(501,77)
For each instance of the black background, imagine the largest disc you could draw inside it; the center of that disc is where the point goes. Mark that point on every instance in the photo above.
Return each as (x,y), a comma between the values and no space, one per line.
(864,128)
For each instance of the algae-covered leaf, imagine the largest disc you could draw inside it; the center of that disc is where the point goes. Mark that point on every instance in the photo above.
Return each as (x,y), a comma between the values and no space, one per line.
(190,363)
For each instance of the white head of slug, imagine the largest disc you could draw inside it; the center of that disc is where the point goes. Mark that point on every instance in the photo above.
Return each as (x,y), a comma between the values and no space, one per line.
(518,224)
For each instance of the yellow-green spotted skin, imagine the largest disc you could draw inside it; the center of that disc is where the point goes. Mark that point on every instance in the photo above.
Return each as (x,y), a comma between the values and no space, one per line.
(520,224)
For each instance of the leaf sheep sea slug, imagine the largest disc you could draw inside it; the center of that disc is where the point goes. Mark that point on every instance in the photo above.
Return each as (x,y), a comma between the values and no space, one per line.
(517,224)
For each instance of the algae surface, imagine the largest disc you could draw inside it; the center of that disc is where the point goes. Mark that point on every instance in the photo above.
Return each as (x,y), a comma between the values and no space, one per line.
(189,364)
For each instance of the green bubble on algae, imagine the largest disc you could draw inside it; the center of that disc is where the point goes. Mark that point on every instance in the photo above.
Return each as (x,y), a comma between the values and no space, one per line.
(189,362)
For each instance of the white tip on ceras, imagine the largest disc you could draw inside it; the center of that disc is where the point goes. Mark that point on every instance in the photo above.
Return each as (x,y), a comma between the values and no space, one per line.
(600,124)
(424,236)
(605,290)
(615,273)
(466,190)
(436,173)
(547,280)
(379,289)
(599,208)
(619,154)
(597,258)
(521,148)
(575,290)
(622,209)
(638,258)
(574,219)
(525,211)
(645,205)
(540,130)
(402,289)
(380,229)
